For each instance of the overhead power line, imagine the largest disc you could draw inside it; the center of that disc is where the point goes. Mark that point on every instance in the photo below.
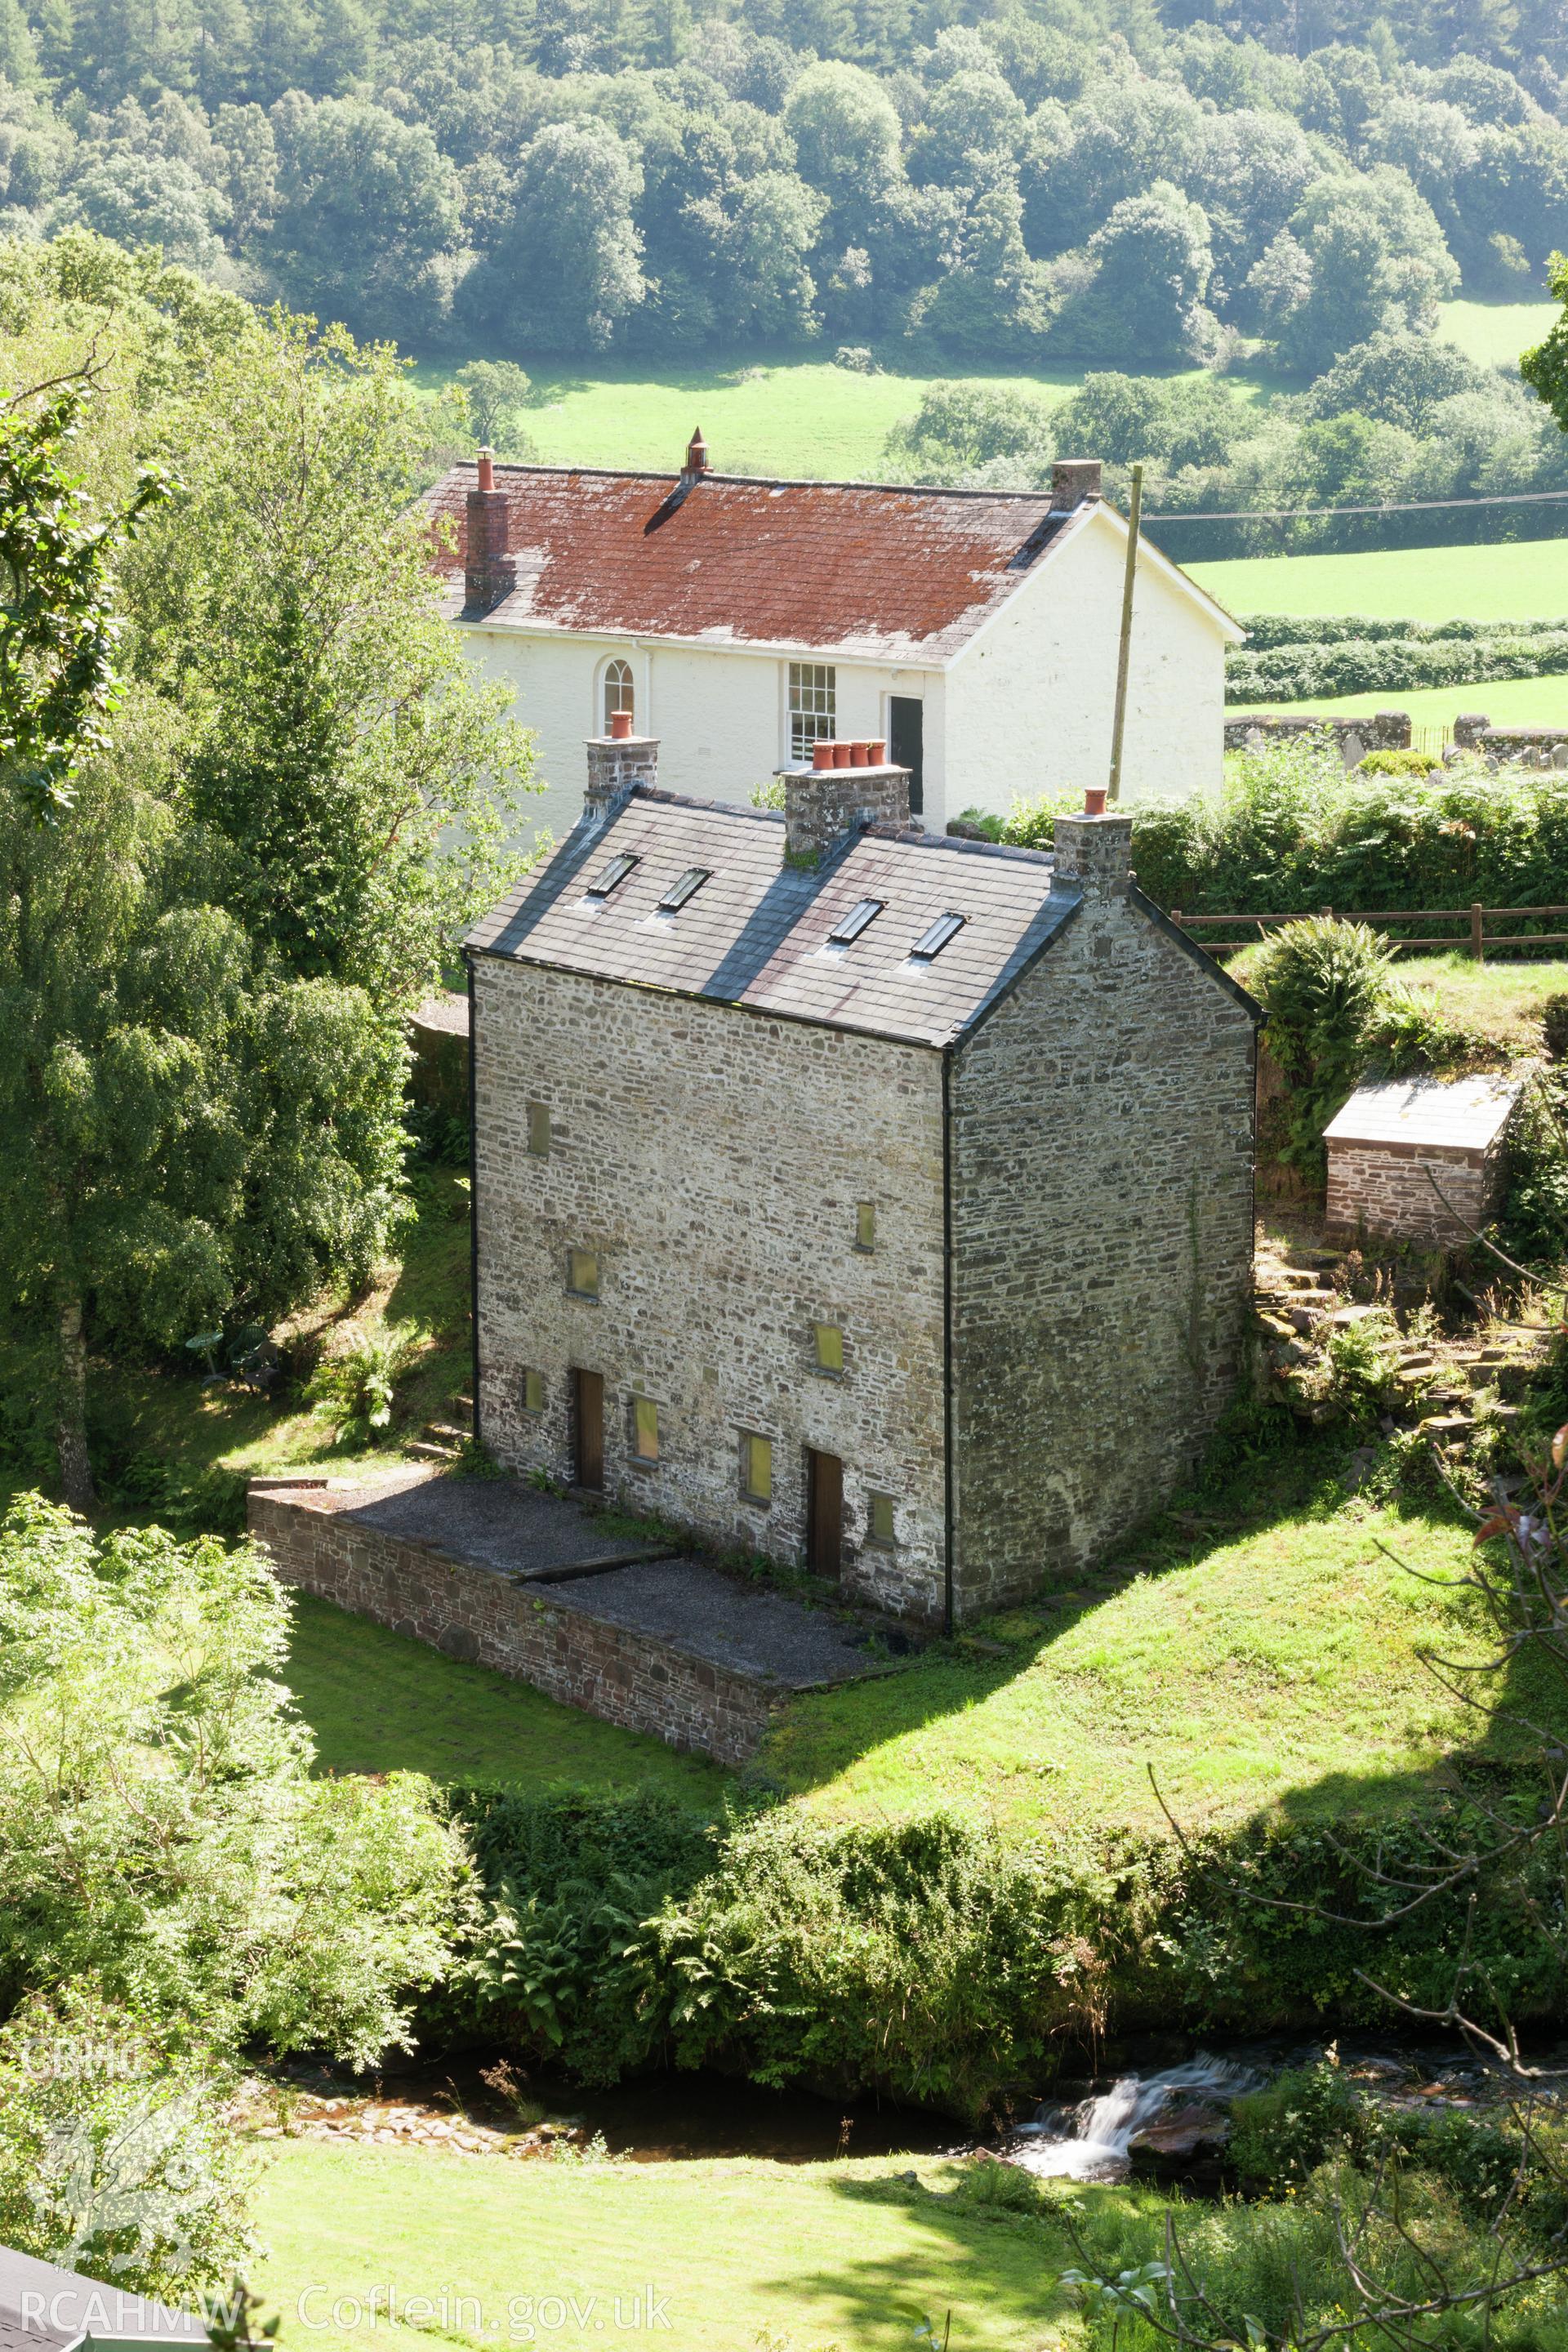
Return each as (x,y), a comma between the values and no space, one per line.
(1325,514)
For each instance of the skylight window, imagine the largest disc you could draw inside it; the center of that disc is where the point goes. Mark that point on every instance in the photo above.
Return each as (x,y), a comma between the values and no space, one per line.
(614,874)
(855,921)
(933,942)
(676,895)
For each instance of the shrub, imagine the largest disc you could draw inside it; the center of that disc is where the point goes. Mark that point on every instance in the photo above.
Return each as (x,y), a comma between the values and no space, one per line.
(356,1391)
(932,1959)
(214,1884)
(1399,764)
(1322,983)
(1554,1027)
(118,2156)
(1280,2135)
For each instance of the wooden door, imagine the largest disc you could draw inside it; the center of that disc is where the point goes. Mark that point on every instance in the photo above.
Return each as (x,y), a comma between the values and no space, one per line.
(906,747)
(589,1430)
(825,1513)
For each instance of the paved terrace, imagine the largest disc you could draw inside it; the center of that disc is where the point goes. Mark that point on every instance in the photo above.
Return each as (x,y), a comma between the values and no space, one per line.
(500,1572)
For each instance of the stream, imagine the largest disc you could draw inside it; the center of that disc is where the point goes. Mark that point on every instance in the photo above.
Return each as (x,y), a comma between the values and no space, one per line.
(1170,2116)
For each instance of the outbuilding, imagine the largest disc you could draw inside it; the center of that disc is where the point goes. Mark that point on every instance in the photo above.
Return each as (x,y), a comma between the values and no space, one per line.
(1418,1159)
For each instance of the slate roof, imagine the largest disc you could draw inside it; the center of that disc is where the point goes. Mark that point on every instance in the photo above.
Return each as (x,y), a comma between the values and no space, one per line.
(1454,1114)
(43,2309)
(756,933)
(898,574)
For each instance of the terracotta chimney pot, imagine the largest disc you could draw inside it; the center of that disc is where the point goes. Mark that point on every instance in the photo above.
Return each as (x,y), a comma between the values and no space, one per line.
(697,453)
(841,754)
(822,754)
(1094,800)
(877,752)
(620,726)
(487,470)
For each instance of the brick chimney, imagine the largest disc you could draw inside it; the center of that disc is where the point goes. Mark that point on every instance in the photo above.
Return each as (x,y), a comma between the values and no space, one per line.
(488,572)
(1073,479)
(848,786)
(1094,851)
(617,762)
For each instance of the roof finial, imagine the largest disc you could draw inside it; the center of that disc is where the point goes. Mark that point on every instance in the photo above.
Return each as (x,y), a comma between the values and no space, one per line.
(697,453)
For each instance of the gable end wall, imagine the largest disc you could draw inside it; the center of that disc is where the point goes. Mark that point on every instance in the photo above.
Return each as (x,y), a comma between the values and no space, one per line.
(1102,1231)
(713,1157)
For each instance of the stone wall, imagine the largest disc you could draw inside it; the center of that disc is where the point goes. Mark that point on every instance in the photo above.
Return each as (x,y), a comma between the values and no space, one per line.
(1102,1176)
(1376,730)
(1523,746)
(713,1157)
(1384,1188)
(624,1675)
(439,1067)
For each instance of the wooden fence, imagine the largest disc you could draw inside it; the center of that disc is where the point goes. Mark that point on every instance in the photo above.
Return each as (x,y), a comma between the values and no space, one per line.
(1472,935)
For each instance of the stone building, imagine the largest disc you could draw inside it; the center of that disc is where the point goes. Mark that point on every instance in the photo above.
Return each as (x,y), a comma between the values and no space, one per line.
(974,632)
(1418,1159)
(852,1195)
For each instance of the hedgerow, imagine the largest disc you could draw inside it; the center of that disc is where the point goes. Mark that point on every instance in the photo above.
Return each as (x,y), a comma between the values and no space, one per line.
(935,1959)
(1292,831)
(1297,670)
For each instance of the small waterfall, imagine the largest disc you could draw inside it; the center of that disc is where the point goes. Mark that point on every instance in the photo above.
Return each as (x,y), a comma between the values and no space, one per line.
(1092,2140)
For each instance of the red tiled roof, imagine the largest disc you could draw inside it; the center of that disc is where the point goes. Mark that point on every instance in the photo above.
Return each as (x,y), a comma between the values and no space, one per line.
(904,575)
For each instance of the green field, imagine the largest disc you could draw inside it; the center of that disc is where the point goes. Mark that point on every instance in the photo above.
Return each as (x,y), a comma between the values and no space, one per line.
(788,417)
(1497,332)
(1525,580)
(817,2255)
(1507,702)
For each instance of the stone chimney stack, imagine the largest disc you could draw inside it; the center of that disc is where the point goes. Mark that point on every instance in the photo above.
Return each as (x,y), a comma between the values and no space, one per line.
(1094,851)
(848,785)
(617,762)
(490,573)
(1073,479)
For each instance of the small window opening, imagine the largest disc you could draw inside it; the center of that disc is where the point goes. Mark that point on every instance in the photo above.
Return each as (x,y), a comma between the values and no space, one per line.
(645,1429)
(539,1131)
(813,707)
(856,921)
(756,1468)
(582,1272)
(618,693)
(865,1225)
(691,882)
(933,942)
(830,1347)
(614,874)
(879,1528)
(533,1391)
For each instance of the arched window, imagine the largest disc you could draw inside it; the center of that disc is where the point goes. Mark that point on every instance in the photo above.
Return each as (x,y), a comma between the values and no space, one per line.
(618,693)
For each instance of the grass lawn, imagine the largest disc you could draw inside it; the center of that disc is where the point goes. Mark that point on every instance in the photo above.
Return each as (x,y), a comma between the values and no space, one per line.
(379,1702)
(819,2254)
(1271,1662)
(787,416)
(1497,332)
(1507,702)
(1524,581)
(1503,1001)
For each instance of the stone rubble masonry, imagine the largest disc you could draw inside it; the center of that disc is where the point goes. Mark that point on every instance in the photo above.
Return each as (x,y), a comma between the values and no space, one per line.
(821,804)
(1385,1188)
(1378,731)
(1525,747)
(1092,851)
(624,1675)
(1102,1183)
(616,764)
(713,1157)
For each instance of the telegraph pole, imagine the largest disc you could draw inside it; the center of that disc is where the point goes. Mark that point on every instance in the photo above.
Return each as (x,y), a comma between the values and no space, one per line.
(1125,655)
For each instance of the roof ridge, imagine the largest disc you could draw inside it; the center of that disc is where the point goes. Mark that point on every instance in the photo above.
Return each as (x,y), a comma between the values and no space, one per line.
(762,481)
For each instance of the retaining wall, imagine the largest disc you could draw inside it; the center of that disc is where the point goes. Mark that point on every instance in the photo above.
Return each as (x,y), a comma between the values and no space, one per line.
(527,1631)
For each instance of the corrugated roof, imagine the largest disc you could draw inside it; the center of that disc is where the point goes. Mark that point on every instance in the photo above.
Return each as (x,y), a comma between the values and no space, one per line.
(756,933)
(1459,1114)
(898,574)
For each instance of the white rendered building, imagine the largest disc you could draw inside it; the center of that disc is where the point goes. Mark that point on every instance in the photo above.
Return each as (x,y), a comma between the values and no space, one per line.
(973,633)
